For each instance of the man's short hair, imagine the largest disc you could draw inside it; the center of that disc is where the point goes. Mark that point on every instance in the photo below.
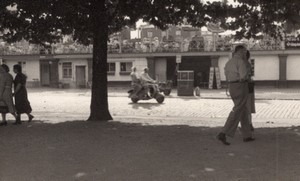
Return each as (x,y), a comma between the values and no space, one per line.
(133,68)
(146,68)
(238,48)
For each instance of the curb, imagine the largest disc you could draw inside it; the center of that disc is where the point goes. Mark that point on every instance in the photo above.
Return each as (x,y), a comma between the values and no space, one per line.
(196,97)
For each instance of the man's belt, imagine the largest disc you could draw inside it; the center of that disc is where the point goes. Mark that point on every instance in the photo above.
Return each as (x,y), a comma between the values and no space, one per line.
(237,81)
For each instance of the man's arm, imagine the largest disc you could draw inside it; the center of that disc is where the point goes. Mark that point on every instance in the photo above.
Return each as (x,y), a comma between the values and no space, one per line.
(242,69)
(147,78)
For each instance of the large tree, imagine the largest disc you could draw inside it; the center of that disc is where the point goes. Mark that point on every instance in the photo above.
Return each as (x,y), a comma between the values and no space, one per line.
(90,21)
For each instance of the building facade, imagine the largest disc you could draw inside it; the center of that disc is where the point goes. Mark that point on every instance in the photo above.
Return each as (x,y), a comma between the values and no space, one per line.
(271,68)
(69,65)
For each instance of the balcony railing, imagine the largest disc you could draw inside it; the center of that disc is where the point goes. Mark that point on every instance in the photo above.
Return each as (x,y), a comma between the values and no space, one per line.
(145,46)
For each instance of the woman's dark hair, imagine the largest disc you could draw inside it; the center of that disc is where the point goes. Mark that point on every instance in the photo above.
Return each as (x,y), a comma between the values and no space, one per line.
(18,68)
(238,48)
(5,67)
(248,54)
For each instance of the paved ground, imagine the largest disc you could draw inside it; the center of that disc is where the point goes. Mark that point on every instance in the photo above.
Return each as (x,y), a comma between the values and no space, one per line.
(170,141)
(264,93)
(58,105)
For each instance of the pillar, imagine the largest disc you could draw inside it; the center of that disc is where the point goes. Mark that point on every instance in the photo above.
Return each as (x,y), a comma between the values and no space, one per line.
(282,71)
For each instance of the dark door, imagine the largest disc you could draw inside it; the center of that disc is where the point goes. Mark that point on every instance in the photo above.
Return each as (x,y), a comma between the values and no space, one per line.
(80,77)
(49,72)
(200,65)
(54,73)
(45,74)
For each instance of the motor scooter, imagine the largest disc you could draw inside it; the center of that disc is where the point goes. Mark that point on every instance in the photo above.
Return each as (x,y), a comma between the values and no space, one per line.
(136,95)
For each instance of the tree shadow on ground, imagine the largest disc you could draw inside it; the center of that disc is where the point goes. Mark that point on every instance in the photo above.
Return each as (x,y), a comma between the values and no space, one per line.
(145,105)
(82,150)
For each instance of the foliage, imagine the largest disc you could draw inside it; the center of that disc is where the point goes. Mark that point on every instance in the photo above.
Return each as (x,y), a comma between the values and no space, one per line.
(252,18)
(45,21)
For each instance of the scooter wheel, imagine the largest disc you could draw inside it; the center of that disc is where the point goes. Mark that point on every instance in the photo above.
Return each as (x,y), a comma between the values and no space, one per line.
(160,98)
(134,100)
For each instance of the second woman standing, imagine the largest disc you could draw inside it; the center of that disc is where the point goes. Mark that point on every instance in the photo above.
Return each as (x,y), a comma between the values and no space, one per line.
(21,100)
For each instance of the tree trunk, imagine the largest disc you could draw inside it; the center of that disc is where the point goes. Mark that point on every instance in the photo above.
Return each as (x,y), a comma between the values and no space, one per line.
(99,100)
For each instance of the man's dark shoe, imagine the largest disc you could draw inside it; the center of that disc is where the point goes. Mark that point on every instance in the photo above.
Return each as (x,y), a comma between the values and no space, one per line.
(222,138)
(17,122)
(30,117)
(248,139)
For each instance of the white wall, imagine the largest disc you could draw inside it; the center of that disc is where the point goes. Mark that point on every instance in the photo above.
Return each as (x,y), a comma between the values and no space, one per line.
(292,67)
(265,67)
(139,63)
(31,68)
(222,61)
(10,64)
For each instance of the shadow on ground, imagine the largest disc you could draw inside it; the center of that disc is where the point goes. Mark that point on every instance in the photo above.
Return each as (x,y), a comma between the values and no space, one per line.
(107,151)
(145,105)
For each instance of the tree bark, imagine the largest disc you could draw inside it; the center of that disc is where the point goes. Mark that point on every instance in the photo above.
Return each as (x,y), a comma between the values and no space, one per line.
(99,98)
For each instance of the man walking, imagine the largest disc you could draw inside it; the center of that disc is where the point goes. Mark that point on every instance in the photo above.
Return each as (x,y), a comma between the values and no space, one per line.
(236,73)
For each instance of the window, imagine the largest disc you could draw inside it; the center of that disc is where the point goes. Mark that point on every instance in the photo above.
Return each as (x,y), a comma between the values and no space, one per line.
(67,69)
(111,68)
(178,33)
(125,67)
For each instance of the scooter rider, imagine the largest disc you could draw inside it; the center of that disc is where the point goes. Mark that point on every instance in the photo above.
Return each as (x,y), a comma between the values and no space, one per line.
(147,81)
(136,83)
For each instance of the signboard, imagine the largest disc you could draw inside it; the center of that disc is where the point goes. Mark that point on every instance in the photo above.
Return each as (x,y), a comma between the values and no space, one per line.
(178,58)
(292,42)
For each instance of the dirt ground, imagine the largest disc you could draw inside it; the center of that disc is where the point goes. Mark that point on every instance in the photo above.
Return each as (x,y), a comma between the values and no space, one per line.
(113,151)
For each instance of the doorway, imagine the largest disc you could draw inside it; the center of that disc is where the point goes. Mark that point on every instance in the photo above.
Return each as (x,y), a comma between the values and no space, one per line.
(45,74)
(200,65)
(80,77)
(160,69)
(49,72)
